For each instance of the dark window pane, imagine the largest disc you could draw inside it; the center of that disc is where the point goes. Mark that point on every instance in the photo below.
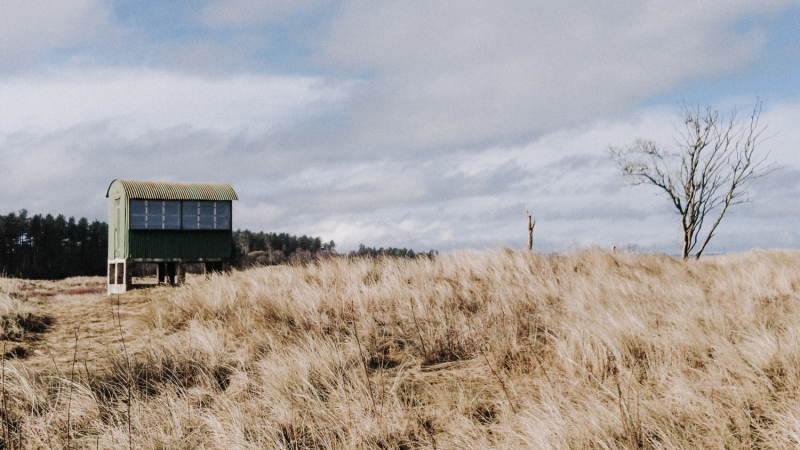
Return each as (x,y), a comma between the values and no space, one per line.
(138,214)
(206,215)
(172,214)
(223,216)
(189,215)
(138,207)
(138,222)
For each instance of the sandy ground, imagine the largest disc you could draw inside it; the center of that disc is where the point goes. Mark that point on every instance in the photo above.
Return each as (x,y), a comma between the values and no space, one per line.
(102,322)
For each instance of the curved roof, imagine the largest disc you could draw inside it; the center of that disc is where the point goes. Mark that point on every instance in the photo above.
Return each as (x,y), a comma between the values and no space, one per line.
(171,190)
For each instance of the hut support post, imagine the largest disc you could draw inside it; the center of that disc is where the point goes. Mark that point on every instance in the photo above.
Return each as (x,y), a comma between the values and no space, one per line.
(127,268)
(160,272)
(119,276)
(169,272)
(180,273)
(213,266)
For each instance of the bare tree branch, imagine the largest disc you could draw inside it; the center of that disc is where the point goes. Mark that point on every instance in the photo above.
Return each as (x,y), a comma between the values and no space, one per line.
(715,163)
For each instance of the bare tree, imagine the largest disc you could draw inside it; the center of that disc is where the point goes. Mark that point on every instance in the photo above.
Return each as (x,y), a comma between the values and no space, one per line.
(710,171)
(530,229)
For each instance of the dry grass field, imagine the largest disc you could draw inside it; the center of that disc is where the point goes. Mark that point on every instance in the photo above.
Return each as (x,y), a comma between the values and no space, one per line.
(501,350)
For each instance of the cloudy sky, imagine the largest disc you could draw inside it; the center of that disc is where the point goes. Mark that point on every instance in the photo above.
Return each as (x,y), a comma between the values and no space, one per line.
(421,124)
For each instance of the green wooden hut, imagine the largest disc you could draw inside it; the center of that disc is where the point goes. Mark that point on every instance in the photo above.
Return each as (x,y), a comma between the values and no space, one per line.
(169,224)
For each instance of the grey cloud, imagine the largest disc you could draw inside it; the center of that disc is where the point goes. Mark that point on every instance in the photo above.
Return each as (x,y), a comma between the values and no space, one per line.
(141,99)
(775,196)
(29,28)
(445,202)
(612,211)
(448,74)
(249,12)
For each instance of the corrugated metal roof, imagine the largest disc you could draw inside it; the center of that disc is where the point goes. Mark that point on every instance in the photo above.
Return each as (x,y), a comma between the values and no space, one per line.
(171,190)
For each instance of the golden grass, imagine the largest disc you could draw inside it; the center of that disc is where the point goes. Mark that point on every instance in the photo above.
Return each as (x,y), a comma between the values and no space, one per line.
(500,350)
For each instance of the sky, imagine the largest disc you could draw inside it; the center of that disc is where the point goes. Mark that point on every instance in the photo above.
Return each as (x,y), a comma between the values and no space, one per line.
(416,124)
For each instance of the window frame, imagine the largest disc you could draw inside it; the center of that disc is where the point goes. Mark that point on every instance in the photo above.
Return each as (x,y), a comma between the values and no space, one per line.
(198,216)
(217,212)
(149,214)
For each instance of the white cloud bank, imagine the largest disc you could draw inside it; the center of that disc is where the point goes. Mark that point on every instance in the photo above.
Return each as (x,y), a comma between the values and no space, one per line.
(578,197)
(446,201)
(142,100)
(471,73)
(28,27)
(249,12)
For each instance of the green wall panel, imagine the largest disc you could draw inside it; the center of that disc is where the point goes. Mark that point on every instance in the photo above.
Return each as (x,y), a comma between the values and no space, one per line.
(173,244)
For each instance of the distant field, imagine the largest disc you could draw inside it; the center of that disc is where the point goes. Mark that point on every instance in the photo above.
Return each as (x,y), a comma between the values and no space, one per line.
(500,350)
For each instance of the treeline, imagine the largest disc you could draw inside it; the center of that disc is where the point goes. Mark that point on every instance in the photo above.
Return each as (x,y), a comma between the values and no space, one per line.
(373,252)
(47,247)
(251,248)
(272,248)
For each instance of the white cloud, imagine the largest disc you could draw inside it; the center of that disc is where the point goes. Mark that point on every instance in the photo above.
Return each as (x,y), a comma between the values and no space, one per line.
(476,198)
(29,26)
(468,73)
(135,101)
(442,201)
(243,12)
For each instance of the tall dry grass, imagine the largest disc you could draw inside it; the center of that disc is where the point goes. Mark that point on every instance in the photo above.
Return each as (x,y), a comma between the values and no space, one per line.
(18,321)
(505,350)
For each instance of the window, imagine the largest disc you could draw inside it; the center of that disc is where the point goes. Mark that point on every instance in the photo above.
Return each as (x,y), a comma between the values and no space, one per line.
(206,215)
(138,214)
(155,214)
(222,215)
(172,214)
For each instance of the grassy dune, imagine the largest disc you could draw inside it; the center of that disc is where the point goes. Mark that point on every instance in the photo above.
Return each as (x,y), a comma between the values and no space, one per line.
(505,350)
